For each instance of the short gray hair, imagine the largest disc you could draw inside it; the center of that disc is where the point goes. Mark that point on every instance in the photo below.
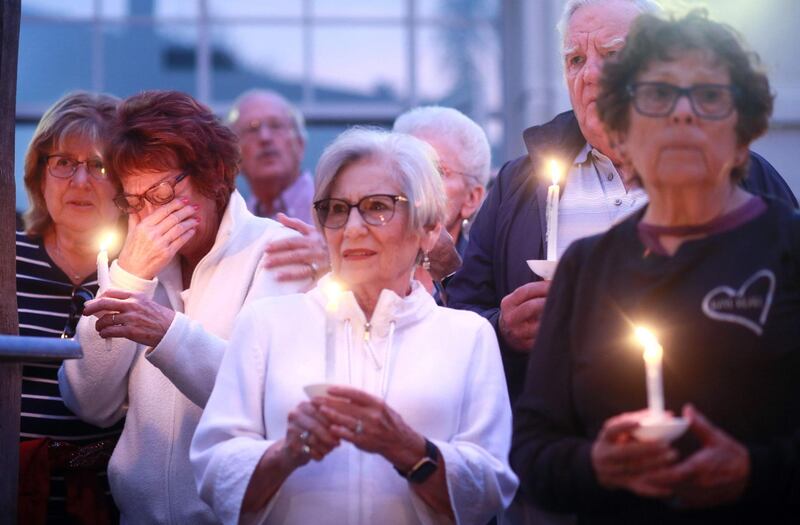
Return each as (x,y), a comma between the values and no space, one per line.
(297,117)
(570,6)
(411,161)
(452,125)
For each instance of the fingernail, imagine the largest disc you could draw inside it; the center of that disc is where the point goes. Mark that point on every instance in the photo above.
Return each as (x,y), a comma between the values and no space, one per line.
(185,200)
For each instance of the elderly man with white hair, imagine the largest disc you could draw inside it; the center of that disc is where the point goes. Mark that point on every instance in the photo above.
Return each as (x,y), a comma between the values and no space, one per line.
(272,139)
(465,160)
(495,280)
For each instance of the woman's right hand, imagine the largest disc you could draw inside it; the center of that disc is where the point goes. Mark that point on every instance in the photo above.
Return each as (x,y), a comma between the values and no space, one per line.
(154,240)
(307,435)
(621,462)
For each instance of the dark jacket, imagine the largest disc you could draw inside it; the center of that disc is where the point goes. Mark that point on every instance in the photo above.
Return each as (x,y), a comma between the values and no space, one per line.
(725,308)
(510,228)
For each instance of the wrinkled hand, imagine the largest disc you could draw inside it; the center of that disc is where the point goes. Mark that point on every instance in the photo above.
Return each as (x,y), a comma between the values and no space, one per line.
(714,475)
(298,258)
(154,240)
(308,427)
(621,462)
(520,312)
(131,316)
(371,425)
(444,257)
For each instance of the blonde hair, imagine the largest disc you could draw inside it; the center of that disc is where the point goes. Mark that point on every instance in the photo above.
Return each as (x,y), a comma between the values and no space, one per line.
(75,115)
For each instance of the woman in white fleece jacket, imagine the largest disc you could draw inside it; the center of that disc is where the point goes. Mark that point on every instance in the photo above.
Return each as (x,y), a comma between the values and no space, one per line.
(192,258)
(419,428)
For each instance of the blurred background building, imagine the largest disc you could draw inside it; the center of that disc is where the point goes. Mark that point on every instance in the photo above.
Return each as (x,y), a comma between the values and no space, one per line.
(346,62)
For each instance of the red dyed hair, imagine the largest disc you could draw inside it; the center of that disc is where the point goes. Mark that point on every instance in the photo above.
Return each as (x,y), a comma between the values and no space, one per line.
(168,130)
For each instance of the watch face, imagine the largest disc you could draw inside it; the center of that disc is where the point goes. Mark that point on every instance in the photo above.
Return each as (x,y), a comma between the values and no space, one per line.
(423,471)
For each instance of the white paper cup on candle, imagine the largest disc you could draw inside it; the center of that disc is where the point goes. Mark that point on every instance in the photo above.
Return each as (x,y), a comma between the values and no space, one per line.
(543,268)
(318,390)
(665,428)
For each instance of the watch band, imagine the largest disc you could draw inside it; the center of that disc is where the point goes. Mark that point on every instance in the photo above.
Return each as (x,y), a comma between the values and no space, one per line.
(423,468)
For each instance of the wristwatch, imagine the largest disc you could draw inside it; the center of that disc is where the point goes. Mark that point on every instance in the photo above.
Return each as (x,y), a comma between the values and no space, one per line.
(423,468)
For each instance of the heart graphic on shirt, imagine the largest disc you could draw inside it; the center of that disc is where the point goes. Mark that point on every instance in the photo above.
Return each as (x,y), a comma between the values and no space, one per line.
(748,306)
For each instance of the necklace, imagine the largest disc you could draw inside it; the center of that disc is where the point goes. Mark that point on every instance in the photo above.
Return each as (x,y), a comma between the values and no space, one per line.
(62,261)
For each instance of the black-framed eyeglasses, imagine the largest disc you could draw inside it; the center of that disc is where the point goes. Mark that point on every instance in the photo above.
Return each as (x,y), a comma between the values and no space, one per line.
(157,194)
(376,210)
(64,166)
(708,101)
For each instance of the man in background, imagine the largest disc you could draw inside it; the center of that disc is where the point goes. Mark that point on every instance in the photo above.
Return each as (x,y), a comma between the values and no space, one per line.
(272,136)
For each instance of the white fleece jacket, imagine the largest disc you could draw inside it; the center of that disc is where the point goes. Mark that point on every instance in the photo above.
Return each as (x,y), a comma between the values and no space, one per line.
(439,368)
(161,391)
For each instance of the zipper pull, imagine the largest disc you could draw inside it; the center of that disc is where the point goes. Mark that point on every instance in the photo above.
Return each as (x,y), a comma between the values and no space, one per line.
(367,328)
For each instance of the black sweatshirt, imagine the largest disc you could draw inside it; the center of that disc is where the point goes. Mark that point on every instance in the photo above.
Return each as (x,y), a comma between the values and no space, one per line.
(726,309)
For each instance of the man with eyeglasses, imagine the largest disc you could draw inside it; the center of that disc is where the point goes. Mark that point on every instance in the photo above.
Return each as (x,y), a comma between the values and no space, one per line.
(272,138)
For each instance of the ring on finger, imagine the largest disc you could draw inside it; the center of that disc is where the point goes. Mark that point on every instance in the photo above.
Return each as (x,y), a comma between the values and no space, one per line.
(304,436)
(306,450)
(314,269)
(114,318)
(359,427)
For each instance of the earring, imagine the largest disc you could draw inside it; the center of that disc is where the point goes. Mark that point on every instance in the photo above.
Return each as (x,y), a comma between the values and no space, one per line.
(426,262)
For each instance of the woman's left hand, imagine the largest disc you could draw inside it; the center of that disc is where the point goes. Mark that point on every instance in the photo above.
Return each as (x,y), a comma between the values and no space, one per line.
(131,316)
(372,426)
(716,474)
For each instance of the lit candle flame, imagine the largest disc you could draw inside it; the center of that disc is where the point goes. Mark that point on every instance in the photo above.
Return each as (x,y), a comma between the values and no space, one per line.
(333,291)
(555,171)
(653,351)
(107,241)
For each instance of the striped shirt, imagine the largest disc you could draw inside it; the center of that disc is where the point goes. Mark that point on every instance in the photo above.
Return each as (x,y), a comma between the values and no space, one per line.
(44,293)
(594,198)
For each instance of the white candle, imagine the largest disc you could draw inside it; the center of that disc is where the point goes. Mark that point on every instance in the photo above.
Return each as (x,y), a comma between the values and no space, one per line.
(551,214)
(333,291)
(103,278)
(653,356)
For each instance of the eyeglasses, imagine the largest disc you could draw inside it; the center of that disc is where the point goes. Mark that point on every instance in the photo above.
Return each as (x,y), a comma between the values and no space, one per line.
(254,126)
(158,194)
(64,167)
(708,101)
(376,210)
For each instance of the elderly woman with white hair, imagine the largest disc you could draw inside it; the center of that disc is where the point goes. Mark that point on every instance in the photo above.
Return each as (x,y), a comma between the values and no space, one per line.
(417,428)
(465,160)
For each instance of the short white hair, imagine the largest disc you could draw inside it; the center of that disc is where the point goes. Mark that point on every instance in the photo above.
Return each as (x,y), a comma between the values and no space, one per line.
(411,162)
(296,115)
(465,134)
(570,6)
